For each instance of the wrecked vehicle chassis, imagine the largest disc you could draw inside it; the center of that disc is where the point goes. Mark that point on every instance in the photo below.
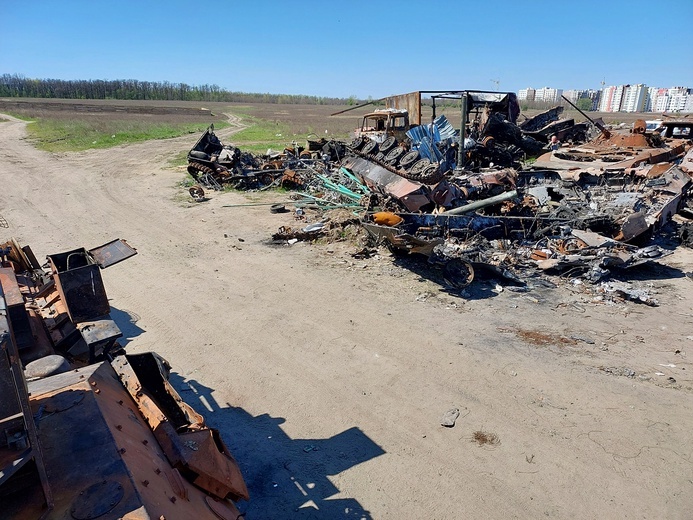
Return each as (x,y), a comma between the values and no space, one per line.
(426,234)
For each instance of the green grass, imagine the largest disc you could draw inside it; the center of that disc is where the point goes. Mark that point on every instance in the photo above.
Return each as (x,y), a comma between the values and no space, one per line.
(23,117)
(57,135)
(180,159)
(261,134)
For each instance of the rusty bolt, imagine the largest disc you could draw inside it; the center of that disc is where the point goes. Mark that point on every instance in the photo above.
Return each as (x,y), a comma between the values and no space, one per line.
(157,471)
(145,483)
(145,442)
(97,391)
(173,500)
(93,383)
(122,450)
(119,427)
(120,402)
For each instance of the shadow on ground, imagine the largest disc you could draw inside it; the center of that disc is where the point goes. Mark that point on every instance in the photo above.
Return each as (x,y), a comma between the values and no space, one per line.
(286,478)
(481,287)
(127,323)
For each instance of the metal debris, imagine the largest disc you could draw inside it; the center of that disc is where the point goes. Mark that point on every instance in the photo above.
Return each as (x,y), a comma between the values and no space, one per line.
(114,436)
(590,207)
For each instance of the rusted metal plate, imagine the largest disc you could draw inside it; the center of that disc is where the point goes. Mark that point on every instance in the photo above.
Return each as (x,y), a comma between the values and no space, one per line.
(410,102)
(97,500)
(189,445)
(217,472)
(79,283)
(17,313)
(412,194)
(103,436)
(113,252)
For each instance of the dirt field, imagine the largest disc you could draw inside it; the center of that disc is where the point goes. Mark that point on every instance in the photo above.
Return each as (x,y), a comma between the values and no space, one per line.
(328,376)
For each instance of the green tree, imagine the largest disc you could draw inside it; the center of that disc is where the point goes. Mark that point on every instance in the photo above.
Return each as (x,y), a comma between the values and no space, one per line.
(584,104)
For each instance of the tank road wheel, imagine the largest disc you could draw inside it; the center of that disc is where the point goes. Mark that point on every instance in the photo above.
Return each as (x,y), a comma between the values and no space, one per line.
(458,273)
(409,159)
(197,193)
(358,143)
(431,175)
(371,147)
(197,170)
(388,144)
(418,168)
(392,157)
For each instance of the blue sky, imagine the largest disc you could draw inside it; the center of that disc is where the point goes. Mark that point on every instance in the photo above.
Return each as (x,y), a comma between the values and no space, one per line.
(361,48)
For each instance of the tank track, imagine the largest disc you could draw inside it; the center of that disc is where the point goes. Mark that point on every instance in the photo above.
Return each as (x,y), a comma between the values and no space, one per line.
(421,171)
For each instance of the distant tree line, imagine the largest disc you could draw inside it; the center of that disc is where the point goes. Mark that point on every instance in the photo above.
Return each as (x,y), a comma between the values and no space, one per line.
(13,85)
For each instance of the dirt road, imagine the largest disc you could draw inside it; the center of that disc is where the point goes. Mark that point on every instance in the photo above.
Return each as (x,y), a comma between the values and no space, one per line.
(328,376)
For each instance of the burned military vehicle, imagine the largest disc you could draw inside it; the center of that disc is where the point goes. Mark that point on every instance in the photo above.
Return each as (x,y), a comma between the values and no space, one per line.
(86,430)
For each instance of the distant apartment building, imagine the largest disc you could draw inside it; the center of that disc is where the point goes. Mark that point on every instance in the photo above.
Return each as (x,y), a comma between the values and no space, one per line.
(689,104)
(526,94)
(548,95)
(674,99)
(634,98)
(611,98)
(661,100)
(678,97)
(574,95)
(619,98)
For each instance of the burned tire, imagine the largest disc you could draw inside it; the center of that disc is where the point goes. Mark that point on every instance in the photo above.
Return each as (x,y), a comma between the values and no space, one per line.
(458,273)
(393,156)
(278,208)
(197,193)
(197,170)
(409,158)
(371,147)
(388,144)
(199,155)
(266,179)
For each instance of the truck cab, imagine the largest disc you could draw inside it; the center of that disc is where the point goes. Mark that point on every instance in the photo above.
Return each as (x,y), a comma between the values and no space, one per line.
(381,124)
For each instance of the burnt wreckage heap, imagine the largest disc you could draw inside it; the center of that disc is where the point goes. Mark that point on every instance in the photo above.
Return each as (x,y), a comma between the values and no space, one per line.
(87,430)
(471,200)
(472,203)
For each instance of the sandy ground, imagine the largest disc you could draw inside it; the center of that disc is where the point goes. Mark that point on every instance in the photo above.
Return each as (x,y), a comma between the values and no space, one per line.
(328,376)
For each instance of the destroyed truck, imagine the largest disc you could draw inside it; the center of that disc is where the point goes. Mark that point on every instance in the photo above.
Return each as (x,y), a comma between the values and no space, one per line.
(427,151)
(88,431)
(384,123)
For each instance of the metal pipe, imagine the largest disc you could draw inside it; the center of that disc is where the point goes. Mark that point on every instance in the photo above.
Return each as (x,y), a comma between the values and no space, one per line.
(473,206)
(257,204)
(461,155)
(598,125)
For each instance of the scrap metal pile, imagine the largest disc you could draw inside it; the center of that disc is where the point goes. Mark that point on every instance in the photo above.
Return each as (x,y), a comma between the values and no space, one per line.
(589,203)
(86,430)
(212,164)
